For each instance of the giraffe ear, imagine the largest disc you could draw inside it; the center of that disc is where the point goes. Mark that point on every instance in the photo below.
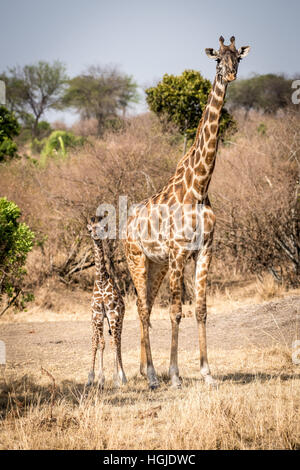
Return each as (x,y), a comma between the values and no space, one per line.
(243,51)
(212,53)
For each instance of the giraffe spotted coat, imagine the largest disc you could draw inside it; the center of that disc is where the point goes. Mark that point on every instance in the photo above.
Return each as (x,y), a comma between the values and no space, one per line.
(107,305)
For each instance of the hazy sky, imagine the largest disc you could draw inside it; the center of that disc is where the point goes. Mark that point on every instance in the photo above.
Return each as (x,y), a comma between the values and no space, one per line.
(149,38)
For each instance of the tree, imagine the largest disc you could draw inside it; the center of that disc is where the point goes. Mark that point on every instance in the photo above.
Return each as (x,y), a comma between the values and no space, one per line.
(182,99)
(33,89)
(262,92)
(101,93)
(16,240)
(9,128)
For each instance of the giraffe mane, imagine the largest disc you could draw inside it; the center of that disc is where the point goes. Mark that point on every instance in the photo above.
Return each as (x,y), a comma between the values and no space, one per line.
(192,148)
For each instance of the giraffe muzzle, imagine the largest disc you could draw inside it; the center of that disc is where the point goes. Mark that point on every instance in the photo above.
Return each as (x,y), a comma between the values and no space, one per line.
(231,77)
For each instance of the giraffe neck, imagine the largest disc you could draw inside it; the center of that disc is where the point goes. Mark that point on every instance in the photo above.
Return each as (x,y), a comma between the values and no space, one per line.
(200,164)
(101,271)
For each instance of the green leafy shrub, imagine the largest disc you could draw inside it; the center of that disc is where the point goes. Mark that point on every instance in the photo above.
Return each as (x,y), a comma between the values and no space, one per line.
(9,128)
(16,240)
(182,100)
(43,129)
(38,145)
(59,142)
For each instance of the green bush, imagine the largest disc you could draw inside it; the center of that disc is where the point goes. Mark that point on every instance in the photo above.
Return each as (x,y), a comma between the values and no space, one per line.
(268,93)
(16,240)
(182,99)
(8,149)
(9,128)
(38,145)
(43,129)
(59,142)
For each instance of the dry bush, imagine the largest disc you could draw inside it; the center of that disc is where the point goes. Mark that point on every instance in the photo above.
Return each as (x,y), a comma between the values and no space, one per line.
(58,199)
(59,126)
(86,127)
(255,194)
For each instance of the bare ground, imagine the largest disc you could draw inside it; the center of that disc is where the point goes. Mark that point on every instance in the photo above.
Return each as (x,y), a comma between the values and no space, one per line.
(63,343)
(256,406)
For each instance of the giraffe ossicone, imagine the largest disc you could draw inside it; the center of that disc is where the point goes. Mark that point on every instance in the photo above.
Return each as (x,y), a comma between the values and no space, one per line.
(150,257)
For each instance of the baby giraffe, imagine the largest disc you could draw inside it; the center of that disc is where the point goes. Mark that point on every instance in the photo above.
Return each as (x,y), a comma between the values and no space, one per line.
(107,302)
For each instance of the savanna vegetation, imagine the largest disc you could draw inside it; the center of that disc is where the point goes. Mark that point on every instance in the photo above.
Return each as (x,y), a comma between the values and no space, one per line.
(53,182)
(64,174)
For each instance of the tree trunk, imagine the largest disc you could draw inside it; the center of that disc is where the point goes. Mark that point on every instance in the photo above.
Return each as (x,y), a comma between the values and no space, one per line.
(35,128)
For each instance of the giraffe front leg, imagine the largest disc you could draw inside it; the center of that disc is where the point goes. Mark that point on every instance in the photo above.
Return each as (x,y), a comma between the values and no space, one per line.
(143,356)
(97,337)
(116,324)
(95,341)
(156,274)
(202,266)
(145,342)
(176,275)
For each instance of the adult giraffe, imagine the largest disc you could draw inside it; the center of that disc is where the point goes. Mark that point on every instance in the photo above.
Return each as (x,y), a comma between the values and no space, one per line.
(156,238)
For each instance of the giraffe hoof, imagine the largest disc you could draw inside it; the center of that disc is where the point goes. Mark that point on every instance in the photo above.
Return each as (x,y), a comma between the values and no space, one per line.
(154,385)
(91,378)
(175,382)
(119,382)
(101,384)
(87,390)
(176,385)
(210,382)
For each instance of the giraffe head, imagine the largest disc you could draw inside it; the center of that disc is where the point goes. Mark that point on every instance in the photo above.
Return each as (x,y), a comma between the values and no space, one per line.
(228,58)
(95,228)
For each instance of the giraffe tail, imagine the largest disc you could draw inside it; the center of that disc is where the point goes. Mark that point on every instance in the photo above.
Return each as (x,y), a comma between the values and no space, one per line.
(109,329)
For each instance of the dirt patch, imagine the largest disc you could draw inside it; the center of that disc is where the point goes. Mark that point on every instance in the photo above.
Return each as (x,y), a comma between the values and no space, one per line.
(58,342)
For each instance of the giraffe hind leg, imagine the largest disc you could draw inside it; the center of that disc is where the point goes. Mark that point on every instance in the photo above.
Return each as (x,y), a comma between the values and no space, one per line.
(116,323)
(138,266)
(97,339)
(176,276)
(156,275)
(202,266)
(101,378)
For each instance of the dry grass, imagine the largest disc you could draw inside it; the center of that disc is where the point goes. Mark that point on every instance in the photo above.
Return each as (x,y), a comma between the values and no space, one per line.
(257,404)
(267,288)
(53,302)
(258,401)
(255,407)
